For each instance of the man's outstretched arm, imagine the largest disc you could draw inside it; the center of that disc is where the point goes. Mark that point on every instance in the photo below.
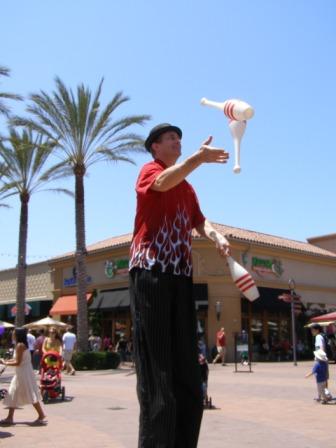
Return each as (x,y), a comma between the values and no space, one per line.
(175,174)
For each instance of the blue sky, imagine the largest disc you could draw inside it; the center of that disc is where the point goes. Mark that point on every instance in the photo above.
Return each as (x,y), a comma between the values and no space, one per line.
(279,56)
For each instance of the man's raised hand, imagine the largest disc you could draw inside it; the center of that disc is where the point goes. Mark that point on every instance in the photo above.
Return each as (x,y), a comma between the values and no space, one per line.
(212,154)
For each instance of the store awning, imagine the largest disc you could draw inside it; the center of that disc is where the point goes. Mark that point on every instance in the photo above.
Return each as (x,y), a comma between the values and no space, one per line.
(111,300)
(66,305)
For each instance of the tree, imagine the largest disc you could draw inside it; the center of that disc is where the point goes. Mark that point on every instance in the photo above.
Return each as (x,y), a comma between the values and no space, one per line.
(85,134)
(3,170)
(4,109)
(24,156)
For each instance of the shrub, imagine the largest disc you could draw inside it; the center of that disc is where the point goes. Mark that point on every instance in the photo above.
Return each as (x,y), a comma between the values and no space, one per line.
(95,360)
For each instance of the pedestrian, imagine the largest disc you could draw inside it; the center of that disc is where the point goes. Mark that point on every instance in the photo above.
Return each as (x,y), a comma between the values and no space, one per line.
(38,353)
(69,345)
(320,369)
(320,343)
(221,346)
(52,343)
(106,343)
(23,388)
(204,376)
(121,348)
(319,340)
(163,310)
(31,343)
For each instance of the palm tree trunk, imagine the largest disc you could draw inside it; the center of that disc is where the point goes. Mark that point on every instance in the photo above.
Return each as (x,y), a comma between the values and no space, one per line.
(82,313)
(21,264)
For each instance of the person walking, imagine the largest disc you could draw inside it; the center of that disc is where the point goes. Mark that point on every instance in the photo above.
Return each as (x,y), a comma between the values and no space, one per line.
(23,388)
(38,353)
(69,345)
(320,370)
(52,343)
(221,346)
(169,384)
(321,344)
(121,348)
(31,343)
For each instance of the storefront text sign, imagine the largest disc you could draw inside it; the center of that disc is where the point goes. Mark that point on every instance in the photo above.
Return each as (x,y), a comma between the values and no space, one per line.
(72,281)
(267,266)
(116,267)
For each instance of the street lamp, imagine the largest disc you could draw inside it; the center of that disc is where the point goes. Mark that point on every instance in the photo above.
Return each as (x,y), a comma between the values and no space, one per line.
(218,308)
(291,285)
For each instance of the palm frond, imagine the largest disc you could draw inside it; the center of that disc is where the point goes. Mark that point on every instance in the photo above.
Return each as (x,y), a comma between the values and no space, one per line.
(80,126)
(4,71)
(60,190)
(24,162)
(4,109)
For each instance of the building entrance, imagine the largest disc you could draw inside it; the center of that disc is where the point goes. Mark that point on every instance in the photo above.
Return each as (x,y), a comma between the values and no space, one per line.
(268,323)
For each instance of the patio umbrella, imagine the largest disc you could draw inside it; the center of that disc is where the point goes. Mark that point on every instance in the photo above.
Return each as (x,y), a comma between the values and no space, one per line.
(324,318)
(6,324)
(323,324)
(47,322)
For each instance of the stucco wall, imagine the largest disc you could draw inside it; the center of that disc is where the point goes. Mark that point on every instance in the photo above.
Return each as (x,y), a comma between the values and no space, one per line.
(39,283)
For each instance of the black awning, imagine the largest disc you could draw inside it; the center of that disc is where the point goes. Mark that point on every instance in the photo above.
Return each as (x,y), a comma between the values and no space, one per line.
(111,300)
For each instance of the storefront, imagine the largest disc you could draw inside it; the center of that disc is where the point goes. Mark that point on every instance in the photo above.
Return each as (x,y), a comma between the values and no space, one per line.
(271,261)
(39,296)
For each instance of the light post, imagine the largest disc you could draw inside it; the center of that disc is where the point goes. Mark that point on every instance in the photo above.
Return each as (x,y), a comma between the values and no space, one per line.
(291,285)
(218,308)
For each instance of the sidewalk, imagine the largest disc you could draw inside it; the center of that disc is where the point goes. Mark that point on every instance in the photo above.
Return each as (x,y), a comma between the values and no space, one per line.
(272,407)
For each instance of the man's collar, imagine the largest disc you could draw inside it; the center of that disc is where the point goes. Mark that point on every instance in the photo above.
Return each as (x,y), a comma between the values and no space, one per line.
(160,163)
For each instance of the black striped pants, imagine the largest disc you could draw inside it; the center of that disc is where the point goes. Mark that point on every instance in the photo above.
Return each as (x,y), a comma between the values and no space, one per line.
(165,349)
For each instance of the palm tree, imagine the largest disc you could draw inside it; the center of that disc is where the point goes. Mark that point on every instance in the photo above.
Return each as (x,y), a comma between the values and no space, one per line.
(4,109)
(85,135)
(3,170)
(24,157)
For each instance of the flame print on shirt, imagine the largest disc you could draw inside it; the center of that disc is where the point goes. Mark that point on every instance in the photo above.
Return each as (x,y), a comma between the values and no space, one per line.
(170,248)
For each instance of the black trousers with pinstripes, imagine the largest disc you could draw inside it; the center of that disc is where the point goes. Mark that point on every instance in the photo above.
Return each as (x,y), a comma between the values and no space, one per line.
(165,350)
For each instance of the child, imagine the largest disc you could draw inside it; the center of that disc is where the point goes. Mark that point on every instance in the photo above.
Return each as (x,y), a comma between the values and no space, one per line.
(50,376)
(320,370)
(204,375)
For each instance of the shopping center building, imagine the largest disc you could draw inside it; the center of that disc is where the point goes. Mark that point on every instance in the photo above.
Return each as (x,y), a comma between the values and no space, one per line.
(39,296)
(271,260)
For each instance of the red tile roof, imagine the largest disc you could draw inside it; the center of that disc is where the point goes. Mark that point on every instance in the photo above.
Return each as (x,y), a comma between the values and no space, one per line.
(263,239)
(232,233)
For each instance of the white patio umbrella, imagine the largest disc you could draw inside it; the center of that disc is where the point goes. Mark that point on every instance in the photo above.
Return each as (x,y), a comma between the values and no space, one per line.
(47,322)
(6,324)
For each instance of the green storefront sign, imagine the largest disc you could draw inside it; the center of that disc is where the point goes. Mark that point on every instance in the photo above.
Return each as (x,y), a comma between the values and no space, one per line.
(116,267)
(267,266)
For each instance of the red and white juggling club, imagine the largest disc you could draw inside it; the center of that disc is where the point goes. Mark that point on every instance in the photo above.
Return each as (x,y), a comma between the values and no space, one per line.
(233,109)
(237,129)
(243,280)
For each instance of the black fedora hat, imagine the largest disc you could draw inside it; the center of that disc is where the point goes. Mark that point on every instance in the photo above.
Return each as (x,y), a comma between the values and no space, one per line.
(159,130)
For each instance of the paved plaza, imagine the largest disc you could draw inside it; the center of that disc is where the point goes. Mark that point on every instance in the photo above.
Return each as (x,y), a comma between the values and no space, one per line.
(271,407)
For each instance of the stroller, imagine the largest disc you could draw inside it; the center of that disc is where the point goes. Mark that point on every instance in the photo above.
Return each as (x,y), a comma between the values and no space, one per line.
(50,382)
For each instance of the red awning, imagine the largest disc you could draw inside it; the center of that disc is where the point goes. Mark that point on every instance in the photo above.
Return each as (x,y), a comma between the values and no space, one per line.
(66,305)
(324,317)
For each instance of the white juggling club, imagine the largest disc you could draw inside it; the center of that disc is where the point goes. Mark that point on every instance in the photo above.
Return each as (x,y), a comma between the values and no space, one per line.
(233,109)
(237,129)
(243,280)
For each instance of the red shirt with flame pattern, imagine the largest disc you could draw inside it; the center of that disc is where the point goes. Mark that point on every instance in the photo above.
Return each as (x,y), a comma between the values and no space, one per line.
(163,224)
